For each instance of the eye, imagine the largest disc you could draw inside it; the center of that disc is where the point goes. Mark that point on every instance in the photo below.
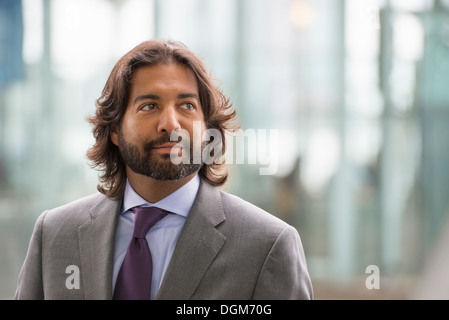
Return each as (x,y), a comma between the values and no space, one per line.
(188,106)
(148,106)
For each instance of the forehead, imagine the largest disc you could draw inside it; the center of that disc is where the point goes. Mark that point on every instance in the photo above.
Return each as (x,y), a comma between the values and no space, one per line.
(163,78)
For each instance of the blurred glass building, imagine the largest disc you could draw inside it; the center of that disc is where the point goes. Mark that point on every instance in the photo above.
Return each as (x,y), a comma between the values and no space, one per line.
(357,91)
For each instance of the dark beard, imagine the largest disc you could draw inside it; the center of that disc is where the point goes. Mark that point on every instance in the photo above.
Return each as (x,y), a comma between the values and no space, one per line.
(148,164)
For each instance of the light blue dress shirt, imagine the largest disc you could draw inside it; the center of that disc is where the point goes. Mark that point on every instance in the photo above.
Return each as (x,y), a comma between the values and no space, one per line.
(162,237)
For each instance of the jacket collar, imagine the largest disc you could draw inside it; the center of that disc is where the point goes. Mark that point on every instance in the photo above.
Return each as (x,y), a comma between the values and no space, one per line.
(96,239)
(198,245)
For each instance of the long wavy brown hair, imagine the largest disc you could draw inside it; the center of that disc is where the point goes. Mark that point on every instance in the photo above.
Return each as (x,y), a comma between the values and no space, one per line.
(104,155)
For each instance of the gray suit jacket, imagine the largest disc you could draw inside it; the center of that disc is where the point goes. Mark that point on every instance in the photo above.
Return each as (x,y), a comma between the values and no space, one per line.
(228,249)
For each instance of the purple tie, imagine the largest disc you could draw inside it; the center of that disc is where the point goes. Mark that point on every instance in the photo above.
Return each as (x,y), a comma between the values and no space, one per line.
(134,277)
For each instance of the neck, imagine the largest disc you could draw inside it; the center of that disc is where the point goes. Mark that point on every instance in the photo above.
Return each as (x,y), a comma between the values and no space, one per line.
(154,190)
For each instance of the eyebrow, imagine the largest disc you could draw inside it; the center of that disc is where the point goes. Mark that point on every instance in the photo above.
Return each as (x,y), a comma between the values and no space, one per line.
(156,97)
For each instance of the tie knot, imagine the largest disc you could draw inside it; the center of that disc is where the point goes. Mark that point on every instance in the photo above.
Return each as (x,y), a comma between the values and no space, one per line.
(145,218)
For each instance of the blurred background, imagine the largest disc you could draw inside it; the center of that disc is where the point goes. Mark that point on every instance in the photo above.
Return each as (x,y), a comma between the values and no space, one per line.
(357,89)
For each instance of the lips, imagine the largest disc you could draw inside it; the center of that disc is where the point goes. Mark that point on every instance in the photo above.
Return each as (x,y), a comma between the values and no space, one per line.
(167,147)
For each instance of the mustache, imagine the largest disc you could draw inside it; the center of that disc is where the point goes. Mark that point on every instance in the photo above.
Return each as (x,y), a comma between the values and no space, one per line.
(164,138)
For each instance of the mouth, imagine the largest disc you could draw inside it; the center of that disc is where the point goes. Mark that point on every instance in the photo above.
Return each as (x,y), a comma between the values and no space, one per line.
(167,147)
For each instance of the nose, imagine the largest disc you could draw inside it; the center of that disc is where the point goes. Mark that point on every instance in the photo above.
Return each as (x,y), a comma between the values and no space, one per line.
(168,121)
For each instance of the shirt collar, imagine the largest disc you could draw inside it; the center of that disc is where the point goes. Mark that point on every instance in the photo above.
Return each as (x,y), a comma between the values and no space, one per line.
(179,201)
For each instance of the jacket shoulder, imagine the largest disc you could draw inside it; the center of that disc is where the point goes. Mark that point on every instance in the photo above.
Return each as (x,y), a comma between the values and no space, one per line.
(244,213)
(75,211)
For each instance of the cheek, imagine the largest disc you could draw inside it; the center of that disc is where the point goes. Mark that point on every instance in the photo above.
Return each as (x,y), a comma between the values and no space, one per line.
(134,130)
(194,127)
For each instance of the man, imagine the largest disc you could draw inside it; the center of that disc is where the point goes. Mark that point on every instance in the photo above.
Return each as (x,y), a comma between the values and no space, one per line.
(206,244)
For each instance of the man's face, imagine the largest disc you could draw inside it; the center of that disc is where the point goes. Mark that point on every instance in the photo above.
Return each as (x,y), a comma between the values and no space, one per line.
(163,98)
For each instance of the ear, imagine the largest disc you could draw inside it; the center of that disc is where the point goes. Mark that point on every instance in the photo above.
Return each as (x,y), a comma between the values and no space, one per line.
(113,131)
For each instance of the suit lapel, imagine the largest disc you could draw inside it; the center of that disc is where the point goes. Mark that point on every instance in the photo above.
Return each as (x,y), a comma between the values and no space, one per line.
(198,245)
(96,238)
